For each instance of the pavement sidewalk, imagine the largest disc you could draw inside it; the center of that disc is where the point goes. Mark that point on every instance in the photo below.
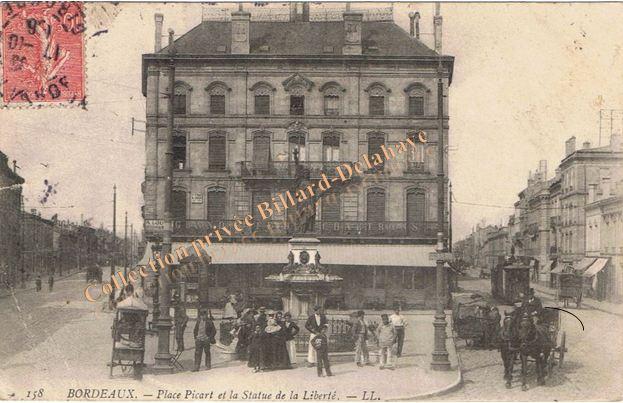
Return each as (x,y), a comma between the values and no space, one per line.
(604,306)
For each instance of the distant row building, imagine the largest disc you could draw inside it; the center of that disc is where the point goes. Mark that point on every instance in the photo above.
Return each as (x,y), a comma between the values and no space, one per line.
(572,220)
(32,245)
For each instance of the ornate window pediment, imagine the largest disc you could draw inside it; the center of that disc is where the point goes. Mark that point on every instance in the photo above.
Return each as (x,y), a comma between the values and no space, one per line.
(262,88)
(217,88)
(296,126)
(332,88)
(415,89)
(297,84)
(377,89)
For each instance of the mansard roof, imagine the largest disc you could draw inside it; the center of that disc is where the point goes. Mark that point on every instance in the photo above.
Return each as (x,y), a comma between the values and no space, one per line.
(379,38)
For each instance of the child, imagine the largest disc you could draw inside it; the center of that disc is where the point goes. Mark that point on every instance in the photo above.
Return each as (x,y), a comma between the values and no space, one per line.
(255,341)
(321,345)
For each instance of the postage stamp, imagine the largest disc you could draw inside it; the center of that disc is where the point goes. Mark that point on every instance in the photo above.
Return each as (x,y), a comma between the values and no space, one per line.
(43,53)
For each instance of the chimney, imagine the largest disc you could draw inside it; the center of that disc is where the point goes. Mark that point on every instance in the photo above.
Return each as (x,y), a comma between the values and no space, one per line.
(437,21)
(240,31)
(352,32)
(570,146)
(543,169)
(586,145)
(158,19)
(417,25)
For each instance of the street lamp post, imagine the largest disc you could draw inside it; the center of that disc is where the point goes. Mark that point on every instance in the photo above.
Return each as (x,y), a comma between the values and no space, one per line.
(163,356)
(440,360)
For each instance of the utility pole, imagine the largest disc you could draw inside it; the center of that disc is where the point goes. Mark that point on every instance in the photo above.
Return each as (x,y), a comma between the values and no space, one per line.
(163,356)
(449,216)
(125,247)
(440,360)
(22,243)
(132,251)
(114,229)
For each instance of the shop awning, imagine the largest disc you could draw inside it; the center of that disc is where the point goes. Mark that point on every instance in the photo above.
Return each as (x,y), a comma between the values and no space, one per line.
(558,269)
(596,267)
(582,265)
(334,254)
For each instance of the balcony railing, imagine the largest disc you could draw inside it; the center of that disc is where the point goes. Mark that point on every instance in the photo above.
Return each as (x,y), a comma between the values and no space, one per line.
(356,229)
(287,169)
(416,167)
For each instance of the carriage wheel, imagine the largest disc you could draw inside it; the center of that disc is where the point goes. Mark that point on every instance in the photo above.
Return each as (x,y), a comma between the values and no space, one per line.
(561,356)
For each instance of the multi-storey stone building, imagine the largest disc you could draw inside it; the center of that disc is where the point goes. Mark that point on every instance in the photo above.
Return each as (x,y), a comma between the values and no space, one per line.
(10,223)
(248,93)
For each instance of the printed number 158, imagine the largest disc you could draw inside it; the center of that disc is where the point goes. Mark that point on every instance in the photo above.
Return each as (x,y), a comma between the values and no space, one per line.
(34,394)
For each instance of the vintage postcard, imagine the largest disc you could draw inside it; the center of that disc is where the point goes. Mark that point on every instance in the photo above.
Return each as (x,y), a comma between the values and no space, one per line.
(311,201)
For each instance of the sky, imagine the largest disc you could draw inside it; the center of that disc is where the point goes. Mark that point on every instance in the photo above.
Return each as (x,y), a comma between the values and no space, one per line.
(526,78)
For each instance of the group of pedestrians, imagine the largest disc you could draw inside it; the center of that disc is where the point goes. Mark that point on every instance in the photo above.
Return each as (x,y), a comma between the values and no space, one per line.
(266,340)
(50,282)
(389,334)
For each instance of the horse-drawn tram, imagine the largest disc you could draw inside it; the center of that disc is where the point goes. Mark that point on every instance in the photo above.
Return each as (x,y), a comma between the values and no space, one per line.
(569,288)
(532,338)
(509,281)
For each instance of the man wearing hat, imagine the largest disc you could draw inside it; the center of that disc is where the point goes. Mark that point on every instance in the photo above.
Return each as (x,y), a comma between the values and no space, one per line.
(314,324)
(204,333)
(531,304)
(261,318)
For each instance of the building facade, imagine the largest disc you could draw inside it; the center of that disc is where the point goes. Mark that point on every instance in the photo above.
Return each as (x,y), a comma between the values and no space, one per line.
(249,93)
(10,223)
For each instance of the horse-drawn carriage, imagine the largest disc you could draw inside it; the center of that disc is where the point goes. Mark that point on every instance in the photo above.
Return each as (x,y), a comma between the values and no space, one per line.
(524,340)
(128,334)
(472,320)
(569,288)
(94,274)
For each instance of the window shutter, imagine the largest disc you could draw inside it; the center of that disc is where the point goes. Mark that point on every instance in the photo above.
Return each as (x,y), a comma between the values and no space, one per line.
(331,105)
(216,205)
(416,106)
(331,207)
(261,151)
(217,153)
(297,105)
(217,104)
(262,105)
(376,205)
(179,150)
(179,104)
(178,205)
(415,206)
(377,105)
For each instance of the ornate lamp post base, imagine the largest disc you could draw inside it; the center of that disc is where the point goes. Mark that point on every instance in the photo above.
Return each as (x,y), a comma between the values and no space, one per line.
(440,354)
(163,364)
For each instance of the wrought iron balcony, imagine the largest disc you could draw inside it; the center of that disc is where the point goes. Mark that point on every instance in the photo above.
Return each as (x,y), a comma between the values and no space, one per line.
(286,169)
(322,229)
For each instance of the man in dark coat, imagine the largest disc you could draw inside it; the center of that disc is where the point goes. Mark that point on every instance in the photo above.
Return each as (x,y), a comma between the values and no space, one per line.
(314,324)
(531,304)
(204,333)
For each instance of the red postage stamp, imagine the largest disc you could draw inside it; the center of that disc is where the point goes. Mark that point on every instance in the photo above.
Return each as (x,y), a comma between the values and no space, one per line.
(43,53)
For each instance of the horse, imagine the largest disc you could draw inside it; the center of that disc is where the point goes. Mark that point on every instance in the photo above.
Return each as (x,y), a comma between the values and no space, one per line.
(509,346)
(533,342)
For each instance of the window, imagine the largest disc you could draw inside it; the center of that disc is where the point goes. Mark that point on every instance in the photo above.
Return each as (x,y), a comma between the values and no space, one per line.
(296,141)
(416,207)
(415,156)
(375,205)
(375,141)
(178,205)
(377,105)
(416,106)
(378,94)
(416,99)
(331,147)
(262,104)
(181,93)
(261,151)
(217,157)
(379,278)
(179,104)
(297,104)
(217,104)
(331,205)
(331,105)
(179,150)
(216,205)
(217,96)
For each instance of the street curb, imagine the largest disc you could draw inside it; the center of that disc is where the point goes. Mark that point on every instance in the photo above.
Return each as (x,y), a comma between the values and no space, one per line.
(455,385)
(30,288)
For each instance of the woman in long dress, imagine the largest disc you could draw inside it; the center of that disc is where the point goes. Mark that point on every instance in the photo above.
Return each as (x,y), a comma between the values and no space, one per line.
(291,330)
(269,344)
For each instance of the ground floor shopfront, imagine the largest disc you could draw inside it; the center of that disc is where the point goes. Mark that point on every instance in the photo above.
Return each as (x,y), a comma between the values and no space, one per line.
(374,276)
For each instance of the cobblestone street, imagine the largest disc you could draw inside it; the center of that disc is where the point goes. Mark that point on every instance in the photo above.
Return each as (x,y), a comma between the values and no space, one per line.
(592,354)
